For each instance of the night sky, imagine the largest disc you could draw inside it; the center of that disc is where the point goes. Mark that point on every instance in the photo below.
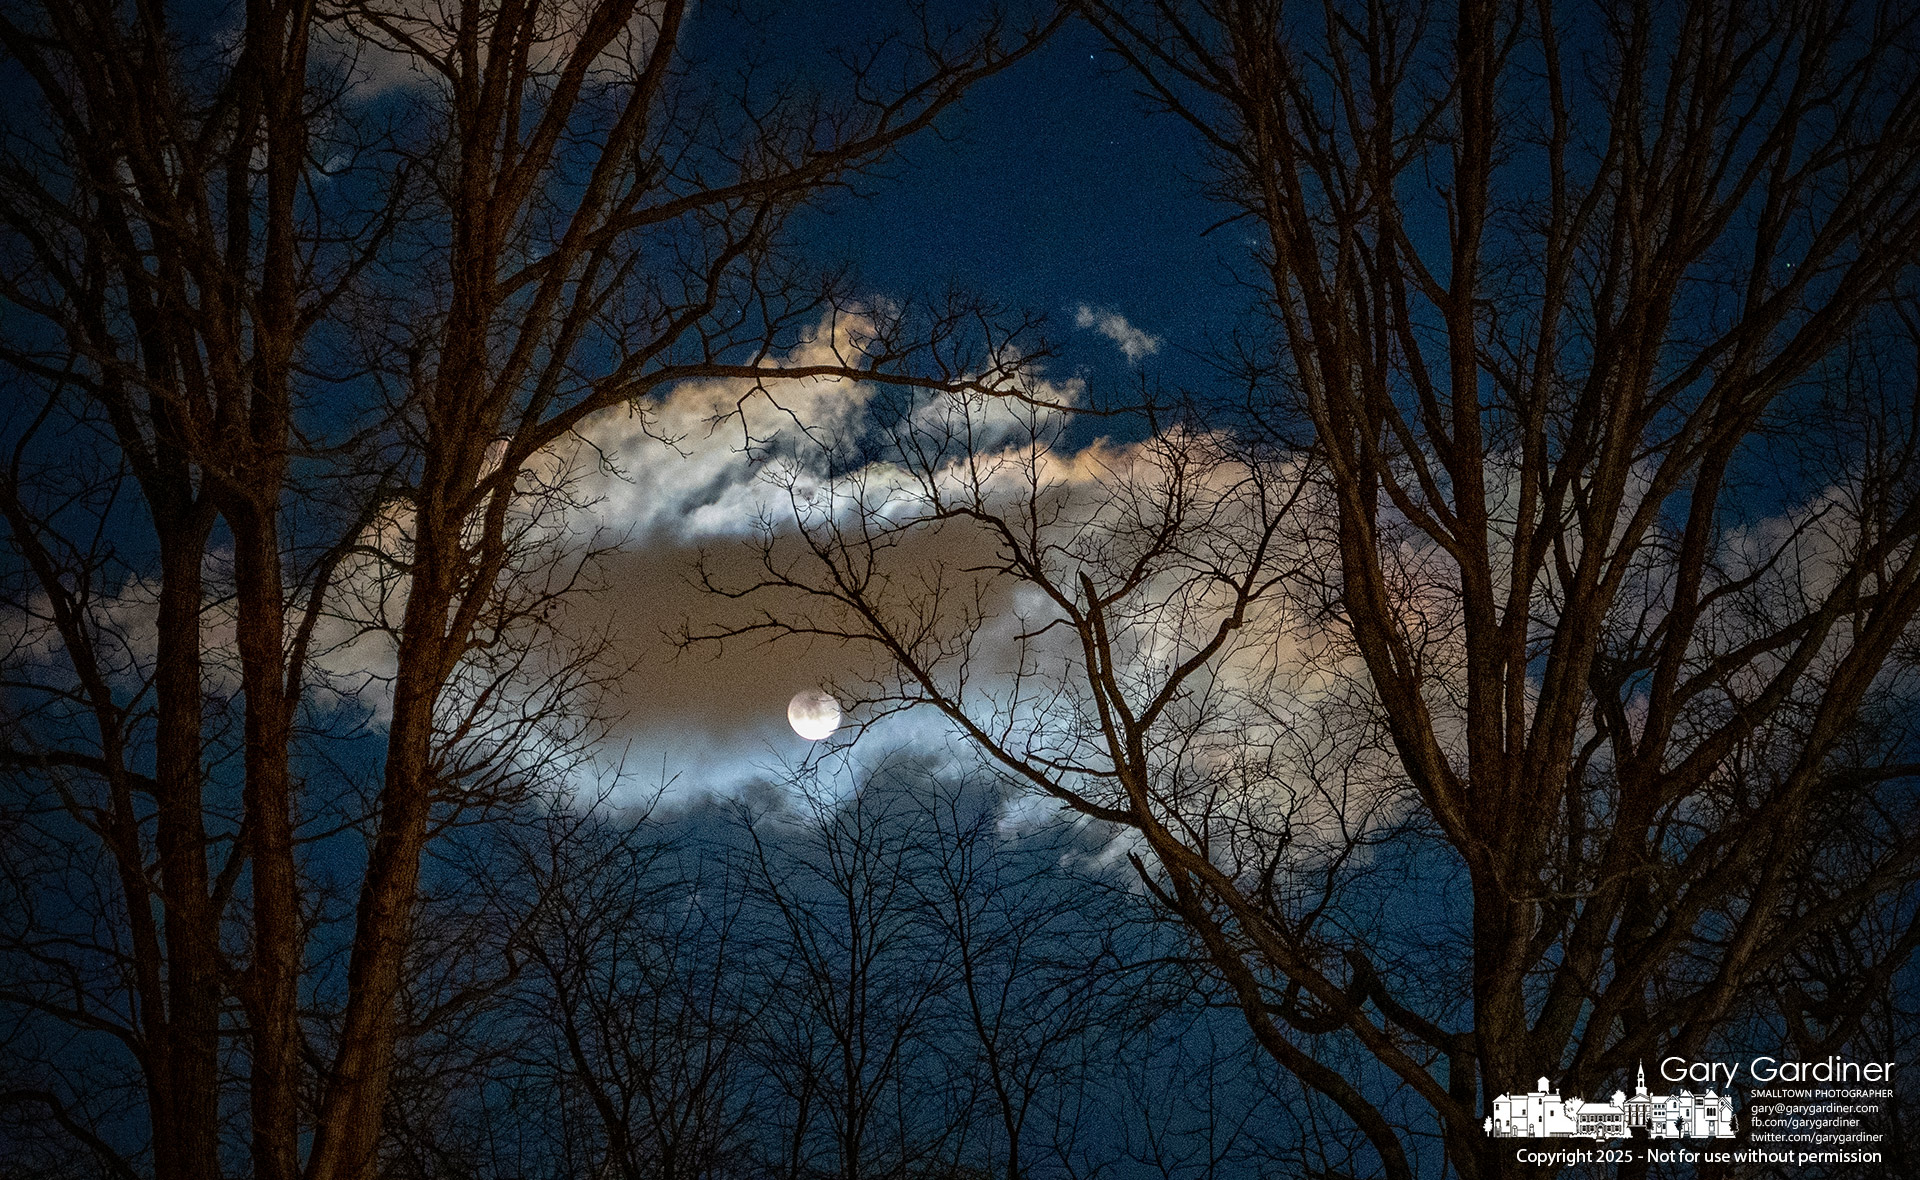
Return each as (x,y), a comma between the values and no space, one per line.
(1056,187)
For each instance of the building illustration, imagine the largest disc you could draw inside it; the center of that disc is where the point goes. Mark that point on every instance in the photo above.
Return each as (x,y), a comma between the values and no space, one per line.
(1543,1114)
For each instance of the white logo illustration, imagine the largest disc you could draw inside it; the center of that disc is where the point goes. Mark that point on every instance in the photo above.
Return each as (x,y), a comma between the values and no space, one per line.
(1543,1114)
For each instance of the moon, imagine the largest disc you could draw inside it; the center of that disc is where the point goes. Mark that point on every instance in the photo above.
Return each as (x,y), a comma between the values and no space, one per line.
(813,714)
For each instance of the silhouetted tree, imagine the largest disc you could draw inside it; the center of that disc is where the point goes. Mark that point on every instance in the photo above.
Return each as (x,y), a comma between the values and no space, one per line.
(1513,676)
(378,259)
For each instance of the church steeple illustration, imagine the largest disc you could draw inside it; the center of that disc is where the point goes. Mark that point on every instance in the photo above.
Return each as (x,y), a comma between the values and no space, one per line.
(1639,1108)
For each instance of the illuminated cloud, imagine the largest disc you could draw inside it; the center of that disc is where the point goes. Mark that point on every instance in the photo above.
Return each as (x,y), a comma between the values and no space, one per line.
(386,45)
(1132,342)
(675,479)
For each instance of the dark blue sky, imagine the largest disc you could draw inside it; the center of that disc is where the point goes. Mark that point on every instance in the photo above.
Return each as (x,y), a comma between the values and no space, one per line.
(1052,187)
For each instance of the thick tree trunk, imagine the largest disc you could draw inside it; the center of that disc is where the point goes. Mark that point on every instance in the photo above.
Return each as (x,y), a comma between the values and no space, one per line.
(275,93)
(352,1111)
(350,1117)
(183,1094)
(271,986)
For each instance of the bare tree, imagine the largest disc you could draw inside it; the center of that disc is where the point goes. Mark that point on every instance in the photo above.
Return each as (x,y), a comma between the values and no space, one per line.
(1547,602)
(642,1012)
(706,992)
(1040,967)
(170,255)
(857,976)
(215,264)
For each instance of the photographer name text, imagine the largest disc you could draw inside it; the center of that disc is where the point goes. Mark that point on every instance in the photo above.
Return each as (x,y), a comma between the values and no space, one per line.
(1767,1070)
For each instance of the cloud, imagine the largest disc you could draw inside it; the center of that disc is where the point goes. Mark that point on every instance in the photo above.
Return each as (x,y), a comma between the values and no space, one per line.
(715,716)
(1131,341)
(712,459)
(677,479)
(387,45)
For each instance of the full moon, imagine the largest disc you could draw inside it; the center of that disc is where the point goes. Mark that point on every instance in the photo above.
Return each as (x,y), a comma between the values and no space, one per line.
(813,714)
